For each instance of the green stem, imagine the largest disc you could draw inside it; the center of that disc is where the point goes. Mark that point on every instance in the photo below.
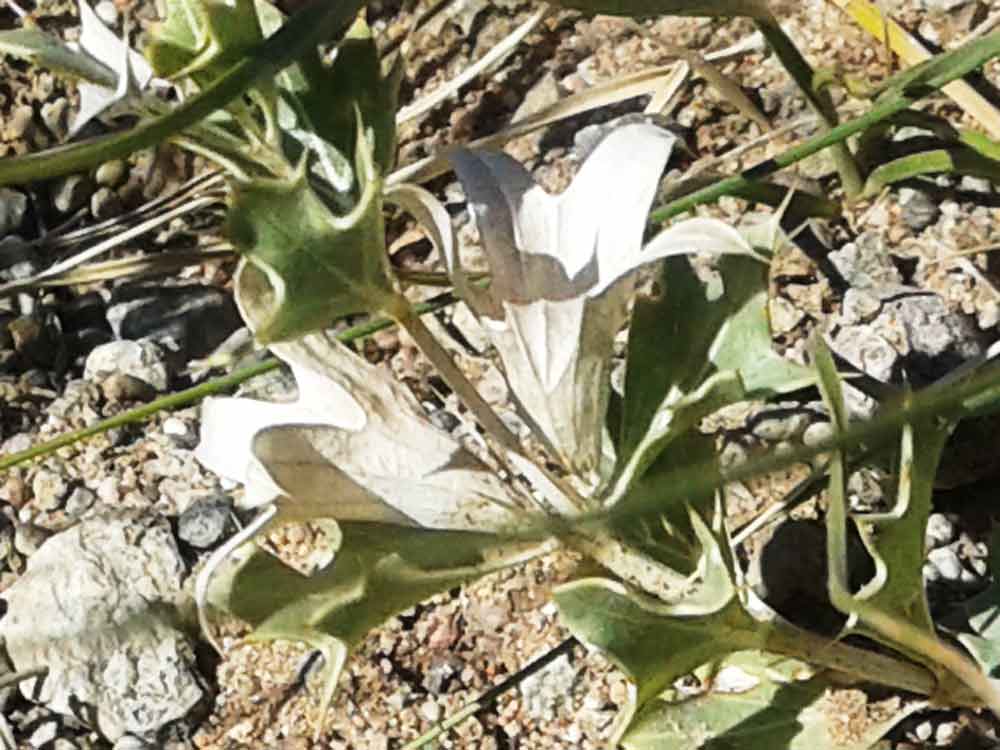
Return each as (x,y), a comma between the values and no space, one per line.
(804,76)
(308,28)
(198,392)
(898,97)
(863,664)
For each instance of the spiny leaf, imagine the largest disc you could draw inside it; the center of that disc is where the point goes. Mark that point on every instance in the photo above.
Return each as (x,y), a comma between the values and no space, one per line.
(755,701)
(303,275)
(203,38)
(377,572)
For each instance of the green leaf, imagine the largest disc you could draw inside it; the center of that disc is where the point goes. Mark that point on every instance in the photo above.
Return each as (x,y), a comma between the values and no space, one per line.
(311,26)
(48,51)
(202,39)
(759,701)
(300,276)
(961,160)
(353,83)
(644,639)
(378,571)
(895,539)
(667,535)
(696,347)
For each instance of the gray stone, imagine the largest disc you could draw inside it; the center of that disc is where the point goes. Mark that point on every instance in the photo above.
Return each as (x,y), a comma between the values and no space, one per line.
(866,350)
(919,211)
(943,6)
(544,692)
(940,531)
(865,263)
(96,606)
(190,320)
(49,488)
(71,193)
(13,204)
(945,559)
(140,359)
(931,573)
(203,525)
(80,500)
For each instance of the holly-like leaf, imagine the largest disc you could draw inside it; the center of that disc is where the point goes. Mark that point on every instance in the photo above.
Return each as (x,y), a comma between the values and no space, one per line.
(378,571)
(894,538)
(302,275)
(202,39)
(755,701)
(655,642)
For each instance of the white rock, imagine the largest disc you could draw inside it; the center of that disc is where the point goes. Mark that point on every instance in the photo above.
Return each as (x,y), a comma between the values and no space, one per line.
(95,606)
(140,359)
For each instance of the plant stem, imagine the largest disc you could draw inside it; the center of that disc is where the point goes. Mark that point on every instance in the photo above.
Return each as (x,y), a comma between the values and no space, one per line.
(802,73)
(490,696)
(313,25)
(198,392)
(431,348)
(869,666)
(900,98)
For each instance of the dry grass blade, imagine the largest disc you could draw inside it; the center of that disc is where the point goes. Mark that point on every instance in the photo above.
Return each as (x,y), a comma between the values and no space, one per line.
(142,265)
(209,183)
(491,59)
(612,92)
(700,65)
(912,52)
(61,268)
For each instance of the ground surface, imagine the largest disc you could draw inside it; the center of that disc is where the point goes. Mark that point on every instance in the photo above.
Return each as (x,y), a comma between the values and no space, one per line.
(424,665)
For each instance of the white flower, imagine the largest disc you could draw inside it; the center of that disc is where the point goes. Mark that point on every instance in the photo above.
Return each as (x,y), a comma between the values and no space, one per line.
(561,275)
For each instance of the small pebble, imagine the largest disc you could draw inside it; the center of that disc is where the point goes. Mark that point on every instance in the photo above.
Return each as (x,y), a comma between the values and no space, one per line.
(817,433)
(44,734)
(28,538)
(110,173)
(107,12)
(181,433)
(940,531)
(444,420)
(203,525)
(13,205)
(105,204)
(945,559)
(54,116)
(71,193)
(774,429)
(931,573)
(50,489)
(80,500)
(121,387)
(431,711)
(923,731)
(946,732)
